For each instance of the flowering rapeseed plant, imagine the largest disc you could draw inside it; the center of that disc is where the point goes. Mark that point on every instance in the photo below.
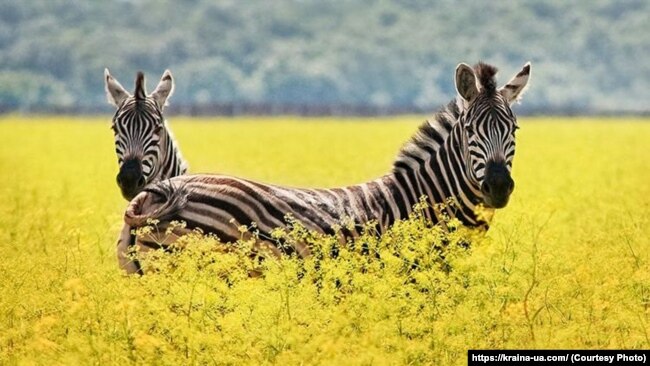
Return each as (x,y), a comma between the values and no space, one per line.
(565,265)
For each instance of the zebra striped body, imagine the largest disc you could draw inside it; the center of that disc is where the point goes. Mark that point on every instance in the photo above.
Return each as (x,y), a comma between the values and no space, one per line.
(443,161)
(145,147)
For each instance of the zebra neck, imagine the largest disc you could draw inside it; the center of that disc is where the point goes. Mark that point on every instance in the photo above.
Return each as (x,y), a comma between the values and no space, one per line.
(440,177)
(461,191)
(172,164)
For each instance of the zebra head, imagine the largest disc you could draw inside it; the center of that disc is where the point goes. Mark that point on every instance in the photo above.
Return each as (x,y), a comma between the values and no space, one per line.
(488,127)
(139,128)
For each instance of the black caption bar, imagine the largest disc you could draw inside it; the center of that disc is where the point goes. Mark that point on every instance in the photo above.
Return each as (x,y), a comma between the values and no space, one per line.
(557,357)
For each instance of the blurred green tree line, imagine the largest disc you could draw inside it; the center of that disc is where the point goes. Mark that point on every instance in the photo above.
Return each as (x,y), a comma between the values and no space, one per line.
(588,56)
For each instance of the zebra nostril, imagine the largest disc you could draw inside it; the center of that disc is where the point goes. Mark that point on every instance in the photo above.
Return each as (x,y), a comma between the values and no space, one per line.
(141,181)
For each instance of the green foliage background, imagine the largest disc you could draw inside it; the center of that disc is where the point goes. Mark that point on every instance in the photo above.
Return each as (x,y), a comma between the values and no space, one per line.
(565,265)
(587,55)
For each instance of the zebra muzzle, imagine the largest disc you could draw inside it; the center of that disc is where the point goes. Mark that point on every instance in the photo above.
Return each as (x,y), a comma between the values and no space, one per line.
(130,178)
(497,185)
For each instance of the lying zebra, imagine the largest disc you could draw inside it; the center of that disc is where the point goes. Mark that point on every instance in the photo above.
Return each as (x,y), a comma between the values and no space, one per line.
(464,153)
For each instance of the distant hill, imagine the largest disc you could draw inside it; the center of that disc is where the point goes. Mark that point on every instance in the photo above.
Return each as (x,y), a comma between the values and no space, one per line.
(588,56)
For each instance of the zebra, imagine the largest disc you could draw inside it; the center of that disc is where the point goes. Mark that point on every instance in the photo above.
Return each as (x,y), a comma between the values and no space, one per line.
(464,153)
(145,147)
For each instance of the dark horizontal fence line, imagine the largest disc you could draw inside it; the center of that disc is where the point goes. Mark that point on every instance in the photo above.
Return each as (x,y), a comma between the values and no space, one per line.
(261,109)
(307,110)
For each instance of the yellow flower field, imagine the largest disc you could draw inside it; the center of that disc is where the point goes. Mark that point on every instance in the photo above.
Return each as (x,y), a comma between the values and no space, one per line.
(565,265)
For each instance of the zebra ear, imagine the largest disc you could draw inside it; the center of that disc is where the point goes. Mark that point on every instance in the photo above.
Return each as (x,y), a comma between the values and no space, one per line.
(466,82)
(513,90)
(164,89)
(115,92)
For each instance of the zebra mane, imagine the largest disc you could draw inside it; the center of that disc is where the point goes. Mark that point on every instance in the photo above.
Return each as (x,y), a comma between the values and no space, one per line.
(486,77)
(176,151)
(140,92)
(431,134)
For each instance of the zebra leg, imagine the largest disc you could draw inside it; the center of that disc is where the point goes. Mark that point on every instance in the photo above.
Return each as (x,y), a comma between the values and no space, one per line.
(159,240)
(126,241)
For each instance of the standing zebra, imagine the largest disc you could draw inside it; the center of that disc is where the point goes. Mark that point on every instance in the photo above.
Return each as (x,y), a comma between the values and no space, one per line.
(464,154)
(146,150)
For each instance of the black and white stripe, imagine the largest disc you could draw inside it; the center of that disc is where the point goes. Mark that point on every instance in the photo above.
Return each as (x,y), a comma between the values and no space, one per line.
(463,154)
(145,147)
